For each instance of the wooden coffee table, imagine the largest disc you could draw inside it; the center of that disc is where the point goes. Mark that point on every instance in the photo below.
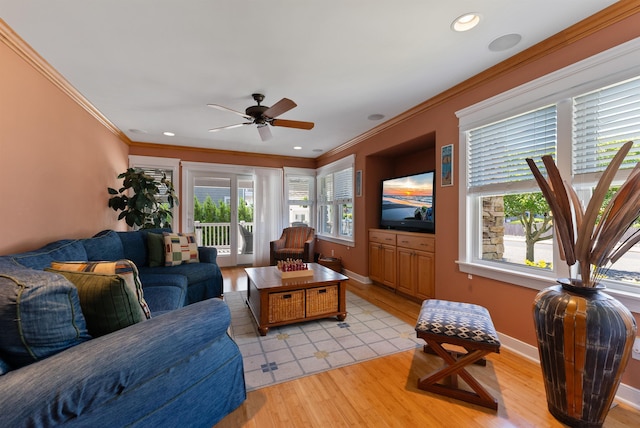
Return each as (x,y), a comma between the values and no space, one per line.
(276,301)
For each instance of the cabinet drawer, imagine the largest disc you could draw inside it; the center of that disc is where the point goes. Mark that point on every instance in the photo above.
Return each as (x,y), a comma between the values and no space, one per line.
(286,306)
(322,300)
(382,237)
(423,243)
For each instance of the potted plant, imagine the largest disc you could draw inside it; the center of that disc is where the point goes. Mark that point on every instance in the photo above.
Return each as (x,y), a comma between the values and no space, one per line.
(585,336)
(144,209)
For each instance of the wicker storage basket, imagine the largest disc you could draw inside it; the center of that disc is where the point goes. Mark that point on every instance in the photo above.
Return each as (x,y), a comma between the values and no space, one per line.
(322,300)
(286,306)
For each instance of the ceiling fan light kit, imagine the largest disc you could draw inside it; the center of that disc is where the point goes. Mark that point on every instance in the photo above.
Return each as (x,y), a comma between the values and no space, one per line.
(263,116)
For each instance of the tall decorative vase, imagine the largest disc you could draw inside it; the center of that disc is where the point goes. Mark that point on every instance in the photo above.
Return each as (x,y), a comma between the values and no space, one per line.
(585,338)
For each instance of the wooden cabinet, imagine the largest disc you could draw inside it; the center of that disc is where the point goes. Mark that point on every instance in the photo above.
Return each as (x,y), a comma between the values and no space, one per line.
(413,258)
(382,257)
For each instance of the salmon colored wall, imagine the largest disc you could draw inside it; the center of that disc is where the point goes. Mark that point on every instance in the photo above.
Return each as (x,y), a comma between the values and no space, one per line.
(56,161)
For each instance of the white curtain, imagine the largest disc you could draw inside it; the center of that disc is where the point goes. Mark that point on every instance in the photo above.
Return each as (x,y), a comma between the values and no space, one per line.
(268,212)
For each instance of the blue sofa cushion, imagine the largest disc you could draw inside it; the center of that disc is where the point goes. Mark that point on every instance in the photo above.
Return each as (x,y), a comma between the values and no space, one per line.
(195,272)
(134,246)
(105,245)
(108,303)
(40,315)
(60,251)
(164,292)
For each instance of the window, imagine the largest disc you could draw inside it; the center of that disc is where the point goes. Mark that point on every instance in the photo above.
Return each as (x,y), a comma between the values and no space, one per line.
(580,115)
(157,167)
(516,223)
(300,200)
(335,200)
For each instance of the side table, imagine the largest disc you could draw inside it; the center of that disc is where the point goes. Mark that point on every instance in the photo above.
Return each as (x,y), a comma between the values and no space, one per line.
(333,263)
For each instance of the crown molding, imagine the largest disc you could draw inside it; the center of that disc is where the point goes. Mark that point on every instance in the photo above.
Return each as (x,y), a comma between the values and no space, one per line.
(159,146)
(611,15)
(31,57)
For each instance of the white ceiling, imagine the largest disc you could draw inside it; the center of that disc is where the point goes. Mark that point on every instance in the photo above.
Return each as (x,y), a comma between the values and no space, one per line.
(152,66)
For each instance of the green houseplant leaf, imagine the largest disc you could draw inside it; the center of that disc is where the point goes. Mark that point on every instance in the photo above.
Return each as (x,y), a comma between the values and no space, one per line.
(139,199)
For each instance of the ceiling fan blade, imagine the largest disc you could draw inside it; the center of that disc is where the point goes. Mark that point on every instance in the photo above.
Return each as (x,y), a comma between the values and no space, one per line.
(282,106)
(237,125)
(265,132)
(292,124)
(223,108)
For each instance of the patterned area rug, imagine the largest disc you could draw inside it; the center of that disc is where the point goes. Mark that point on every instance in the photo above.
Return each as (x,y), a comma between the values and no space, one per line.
(311,347)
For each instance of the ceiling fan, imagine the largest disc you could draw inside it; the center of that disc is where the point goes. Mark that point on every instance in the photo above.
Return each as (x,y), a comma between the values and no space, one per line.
(263,116)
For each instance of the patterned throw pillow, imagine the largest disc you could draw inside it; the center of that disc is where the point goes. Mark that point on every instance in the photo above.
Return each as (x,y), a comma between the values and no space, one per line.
(180,248)
(123,268)
(108,303)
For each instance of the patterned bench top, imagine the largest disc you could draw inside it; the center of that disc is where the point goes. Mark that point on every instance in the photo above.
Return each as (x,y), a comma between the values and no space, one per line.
(455,319)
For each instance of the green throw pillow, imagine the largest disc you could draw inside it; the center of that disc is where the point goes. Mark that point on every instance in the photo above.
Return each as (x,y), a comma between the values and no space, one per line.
(155,245)
(107,303)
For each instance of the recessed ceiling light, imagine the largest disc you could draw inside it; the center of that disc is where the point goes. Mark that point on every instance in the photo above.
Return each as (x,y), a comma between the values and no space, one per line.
(297,148)
(169,134)
(375,116)
(465,22)
(505,42)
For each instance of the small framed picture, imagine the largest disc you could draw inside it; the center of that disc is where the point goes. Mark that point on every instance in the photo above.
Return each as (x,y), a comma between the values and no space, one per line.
(359,183)
(446,165)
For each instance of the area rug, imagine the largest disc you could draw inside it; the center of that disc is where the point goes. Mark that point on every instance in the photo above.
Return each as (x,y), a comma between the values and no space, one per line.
(306,348)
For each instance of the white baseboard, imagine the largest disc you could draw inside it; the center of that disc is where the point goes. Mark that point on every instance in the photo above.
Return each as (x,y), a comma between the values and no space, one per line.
(356,277)
(625,394)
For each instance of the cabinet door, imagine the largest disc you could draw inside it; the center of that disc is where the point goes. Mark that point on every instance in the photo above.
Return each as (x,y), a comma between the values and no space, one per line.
(389,266)
(425,275)
(406,271)
(382,264)
(375,262)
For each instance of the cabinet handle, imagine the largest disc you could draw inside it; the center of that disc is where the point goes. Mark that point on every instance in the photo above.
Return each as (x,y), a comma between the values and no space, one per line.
(323,291)
(286,296)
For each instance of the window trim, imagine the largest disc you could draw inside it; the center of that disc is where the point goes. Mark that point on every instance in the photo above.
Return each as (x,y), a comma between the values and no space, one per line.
(339,165)
(300,172)
(557,87)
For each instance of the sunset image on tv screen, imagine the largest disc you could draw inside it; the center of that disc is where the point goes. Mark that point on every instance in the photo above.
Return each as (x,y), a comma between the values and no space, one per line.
(407,198)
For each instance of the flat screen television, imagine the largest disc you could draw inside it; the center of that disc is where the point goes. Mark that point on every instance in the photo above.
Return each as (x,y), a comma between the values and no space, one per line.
(408,203)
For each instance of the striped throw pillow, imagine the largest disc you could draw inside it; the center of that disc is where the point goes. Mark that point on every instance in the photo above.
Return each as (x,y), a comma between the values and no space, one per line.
(126,269)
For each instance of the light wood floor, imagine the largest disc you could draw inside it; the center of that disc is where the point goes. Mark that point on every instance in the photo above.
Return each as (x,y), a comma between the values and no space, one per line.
(383,392)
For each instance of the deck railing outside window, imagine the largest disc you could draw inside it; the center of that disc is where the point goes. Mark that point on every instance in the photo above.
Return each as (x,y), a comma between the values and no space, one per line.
(217,235)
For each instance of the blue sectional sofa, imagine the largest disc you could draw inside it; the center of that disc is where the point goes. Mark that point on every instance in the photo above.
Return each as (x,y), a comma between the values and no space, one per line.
(178,368)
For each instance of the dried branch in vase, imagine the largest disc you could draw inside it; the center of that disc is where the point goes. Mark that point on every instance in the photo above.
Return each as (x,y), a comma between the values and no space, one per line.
(593,245)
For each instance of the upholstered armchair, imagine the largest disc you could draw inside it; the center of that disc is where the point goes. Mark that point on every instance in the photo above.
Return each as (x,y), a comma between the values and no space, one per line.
(295,243)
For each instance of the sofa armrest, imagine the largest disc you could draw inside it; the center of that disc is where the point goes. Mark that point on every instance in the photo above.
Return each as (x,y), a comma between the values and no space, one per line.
(87,376)
(208,254)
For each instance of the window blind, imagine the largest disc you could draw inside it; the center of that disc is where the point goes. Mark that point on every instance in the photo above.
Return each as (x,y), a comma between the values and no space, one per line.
(603,121)
(299,188)
(343,185)
(497,152)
